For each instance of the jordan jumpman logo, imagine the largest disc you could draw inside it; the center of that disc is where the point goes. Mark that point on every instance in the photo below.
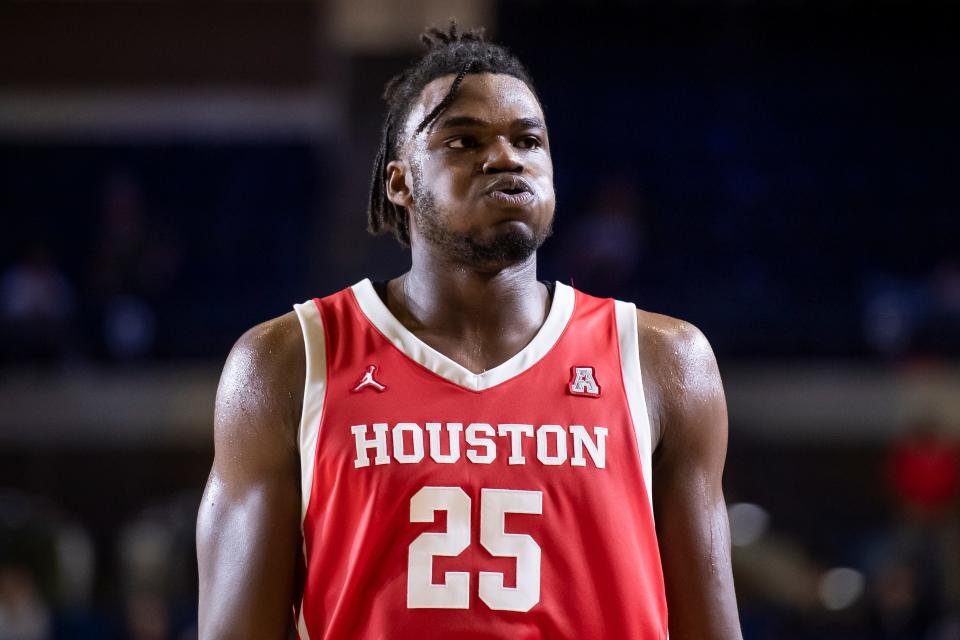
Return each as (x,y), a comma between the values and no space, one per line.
(368,381)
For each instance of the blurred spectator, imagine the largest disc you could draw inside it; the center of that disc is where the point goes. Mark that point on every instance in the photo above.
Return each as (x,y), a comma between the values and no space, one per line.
(606,242)
(135,262)
(157,556)
(46,572)
(901,606)
(23,613)
(946,288)
(128,321)
(889,313)
(939,330)
(924,471)
(912,565)
(914,315)
(147,617)
(37,305)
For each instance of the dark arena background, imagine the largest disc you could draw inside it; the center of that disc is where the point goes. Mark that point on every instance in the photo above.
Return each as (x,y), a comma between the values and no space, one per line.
(783,174)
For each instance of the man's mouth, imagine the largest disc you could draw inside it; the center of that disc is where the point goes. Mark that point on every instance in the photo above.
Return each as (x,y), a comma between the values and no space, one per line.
(513,197)
(510,190)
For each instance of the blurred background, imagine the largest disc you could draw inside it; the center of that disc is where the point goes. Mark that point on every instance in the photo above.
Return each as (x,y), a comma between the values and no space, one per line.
(781,173)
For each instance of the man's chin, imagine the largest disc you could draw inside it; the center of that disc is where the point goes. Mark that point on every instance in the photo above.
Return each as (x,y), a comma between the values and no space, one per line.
(509,244)
(489,247)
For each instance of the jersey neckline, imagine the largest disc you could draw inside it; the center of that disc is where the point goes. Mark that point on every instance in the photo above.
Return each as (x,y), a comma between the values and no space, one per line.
(377,313)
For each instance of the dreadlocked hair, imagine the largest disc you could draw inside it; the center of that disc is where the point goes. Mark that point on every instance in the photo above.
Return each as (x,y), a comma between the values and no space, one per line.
(451,52)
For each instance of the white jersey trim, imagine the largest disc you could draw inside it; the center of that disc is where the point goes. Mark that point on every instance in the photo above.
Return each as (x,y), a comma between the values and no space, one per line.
(302,632)
(626,313)
(314,390)
(314,394)
(377,312)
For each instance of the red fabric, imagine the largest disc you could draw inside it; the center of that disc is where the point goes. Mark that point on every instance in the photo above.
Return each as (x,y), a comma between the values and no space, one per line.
(600,566)
(926,473)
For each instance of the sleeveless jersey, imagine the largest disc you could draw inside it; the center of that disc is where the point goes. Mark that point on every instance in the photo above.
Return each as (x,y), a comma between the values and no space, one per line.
(442,503)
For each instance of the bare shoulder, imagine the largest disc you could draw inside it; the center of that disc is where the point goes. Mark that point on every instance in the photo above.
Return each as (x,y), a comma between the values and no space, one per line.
(672,343)
(689,410)
(263,379)
(248,522)
(679,368)
(273,344)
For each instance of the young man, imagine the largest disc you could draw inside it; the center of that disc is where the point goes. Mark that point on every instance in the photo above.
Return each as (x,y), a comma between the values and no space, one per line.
(464,451)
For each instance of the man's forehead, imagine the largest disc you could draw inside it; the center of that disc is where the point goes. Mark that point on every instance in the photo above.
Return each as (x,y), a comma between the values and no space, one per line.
(492,97)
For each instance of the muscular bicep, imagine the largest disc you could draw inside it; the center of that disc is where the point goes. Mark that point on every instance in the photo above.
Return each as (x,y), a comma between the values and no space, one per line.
(246,545)
(248,527)
(691,514)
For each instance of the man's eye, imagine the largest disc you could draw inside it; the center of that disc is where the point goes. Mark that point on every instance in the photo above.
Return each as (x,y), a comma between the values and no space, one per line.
(530,142)
(461,142)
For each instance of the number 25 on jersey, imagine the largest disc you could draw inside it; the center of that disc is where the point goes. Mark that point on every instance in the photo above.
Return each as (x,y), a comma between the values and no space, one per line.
(454,593)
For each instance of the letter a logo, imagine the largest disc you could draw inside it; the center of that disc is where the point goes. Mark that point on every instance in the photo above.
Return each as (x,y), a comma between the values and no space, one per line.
(583,382)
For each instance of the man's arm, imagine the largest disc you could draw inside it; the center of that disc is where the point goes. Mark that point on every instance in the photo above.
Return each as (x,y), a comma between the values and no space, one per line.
(687,406)
(248,528)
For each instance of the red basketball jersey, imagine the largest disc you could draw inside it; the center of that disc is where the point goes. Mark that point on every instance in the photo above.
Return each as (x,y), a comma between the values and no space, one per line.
(442,503)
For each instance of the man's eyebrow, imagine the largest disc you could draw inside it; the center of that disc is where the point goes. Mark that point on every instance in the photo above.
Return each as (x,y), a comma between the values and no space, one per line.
(469,121)
(529,123)
(462,121)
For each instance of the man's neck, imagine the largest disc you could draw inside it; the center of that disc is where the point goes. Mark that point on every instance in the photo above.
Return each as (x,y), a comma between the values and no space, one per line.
(478,318)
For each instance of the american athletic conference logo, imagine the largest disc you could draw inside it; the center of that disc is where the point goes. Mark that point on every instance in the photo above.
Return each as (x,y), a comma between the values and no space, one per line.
(583,382)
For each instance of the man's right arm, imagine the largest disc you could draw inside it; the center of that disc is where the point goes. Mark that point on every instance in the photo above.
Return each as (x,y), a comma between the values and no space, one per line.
(248,528)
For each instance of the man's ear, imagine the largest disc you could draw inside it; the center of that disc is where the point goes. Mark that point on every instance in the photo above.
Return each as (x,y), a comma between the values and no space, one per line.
(396,183)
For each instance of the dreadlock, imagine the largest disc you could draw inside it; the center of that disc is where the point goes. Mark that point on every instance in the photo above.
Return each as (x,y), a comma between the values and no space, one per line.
(448,52)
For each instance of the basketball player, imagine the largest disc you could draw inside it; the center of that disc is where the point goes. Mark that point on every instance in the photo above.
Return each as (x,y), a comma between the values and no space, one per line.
(464,451)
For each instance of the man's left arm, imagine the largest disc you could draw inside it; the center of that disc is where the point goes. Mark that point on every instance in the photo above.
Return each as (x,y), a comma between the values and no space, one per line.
(691,516)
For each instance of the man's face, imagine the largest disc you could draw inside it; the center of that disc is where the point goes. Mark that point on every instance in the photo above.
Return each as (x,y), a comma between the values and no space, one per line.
(480,177)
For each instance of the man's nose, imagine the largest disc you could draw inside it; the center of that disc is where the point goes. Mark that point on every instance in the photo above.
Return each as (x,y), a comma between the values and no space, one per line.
(502,157)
